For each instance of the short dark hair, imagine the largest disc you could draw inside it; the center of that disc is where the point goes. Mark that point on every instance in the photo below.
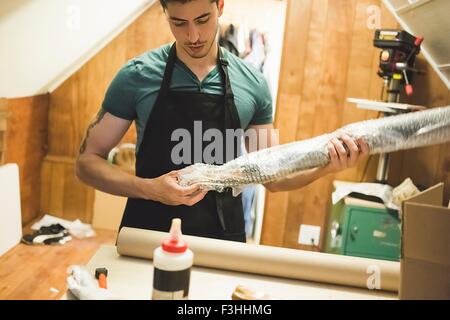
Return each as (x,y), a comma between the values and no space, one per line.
(165,2)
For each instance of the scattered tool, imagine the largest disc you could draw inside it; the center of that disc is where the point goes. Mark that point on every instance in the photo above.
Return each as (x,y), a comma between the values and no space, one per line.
(100,275)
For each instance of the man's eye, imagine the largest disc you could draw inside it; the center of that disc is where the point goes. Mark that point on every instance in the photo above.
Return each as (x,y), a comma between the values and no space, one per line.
(203,21)
(179,24)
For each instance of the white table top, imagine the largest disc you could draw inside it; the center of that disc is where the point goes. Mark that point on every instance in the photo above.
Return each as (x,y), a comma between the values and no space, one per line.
(132,278)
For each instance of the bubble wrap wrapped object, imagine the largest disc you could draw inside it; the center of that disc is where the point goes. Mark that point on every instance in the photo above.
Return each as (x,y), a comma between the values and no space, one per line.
(383,135)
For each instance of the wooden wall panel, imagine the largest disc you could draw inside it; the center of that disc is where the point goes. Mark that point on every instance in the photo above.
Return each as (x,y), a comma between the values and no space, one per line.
(291,78)
(425,166)
(62,195)
(26,145)
(323,94)
(331,57)
(3,122)
(75,103)
(338,48)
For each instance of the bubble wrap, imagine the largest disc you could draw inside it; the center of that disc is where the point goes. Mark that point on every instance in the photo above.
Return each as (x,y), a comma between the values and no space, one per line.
(383,135)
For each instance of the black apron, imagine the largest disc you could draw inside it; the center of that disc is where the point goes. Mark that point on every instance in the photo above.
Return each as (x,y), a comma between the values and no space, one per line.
(218,215)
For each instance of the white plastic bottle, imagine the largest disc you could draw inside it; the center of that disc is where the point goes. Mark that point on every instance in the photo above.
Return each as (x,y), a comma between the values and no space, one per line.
(172,263)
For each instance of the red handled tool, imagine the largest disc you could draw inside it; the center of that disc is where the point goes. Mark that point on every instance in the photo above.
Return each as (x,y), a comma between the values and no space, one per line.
(101,274)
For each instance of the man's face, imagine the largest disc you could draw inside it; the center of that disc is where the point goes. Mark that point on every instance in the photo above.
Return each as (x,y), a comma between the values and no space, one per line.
(194,25)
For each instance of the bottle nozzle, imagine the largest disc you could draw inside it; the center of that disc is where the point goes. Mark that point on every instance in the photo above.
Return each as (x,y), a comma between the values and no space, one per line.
(175,244)
(175,230)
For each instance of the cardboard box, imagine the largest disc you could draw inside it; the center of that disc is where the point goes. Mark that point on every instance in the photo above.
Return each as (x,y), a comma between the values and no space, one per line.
(425,255)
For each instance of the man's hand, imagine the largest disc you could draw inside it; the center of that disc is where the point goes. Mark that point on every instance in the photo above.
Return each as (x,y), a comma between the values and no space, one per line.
(345,153)
(165,189)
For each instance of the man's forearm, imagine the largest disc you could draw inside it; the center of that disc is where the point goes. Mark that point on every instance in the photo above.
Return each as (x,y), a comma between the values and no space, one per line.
(297,181)
(98,173)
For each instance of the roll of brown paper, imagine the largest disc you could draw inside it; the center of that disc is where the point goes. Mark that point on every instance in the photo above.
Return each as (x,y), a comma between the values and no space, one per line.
(270,261)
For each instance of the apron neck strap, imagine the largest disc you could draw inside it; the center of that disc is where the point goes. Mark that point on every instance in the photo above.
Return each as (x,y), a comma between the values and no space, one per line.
(167,79)
(226,77)
(221,61)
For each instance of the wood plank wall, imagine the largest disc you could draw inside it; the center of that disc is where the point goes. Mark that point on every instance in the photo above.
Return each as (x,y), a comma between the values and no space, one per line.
(328,56)
(74,104)
(3,115)
(25,143)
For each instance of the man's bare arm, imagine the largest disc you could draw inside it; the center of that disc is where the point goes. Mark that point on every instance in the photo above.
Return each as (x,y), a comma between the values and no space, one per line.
(103,134)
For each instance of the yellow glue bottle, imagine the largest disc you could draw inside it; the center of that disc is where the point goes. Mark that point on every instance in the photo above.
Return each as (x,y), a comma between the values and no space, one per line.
(172,263)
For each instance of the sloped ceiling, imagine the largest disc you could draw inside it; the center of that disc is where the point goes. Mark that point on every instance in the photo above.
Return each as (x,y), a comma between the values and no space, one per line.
(43,42)
(431,19)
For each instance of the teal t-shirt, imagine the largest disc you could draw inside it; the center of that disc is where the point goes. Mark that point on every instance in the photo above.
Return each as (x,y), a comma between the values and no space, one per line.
(133,92)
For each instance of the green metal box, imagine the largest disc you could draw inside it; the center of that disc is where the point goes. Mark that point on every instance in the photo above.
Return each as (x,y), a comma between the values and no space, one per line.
(361,231)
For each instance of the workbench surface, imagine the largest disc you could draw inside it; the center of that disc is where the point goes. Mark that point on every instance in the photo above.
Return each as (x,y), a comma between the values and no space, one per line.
(131,278)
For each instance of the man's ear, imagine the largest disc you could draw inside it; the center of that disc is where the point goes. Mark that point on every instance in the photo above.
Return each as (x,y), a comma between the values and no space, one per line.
(220,5)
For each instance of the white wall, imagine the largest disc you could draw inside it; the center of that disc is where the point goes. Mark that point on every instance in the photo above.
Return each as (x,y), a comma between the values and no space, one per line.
(267,16)
(43,42)
(10,212)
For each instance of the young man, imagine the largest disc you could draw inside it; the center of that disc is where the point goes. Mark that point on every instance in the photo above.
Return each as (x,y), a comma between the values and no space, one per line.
(173,88)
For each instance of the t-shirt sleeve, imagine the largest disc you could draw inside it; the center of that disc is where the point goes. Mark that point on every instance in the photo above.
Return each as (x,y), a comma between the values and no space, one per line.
(264,105)
(120,98)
